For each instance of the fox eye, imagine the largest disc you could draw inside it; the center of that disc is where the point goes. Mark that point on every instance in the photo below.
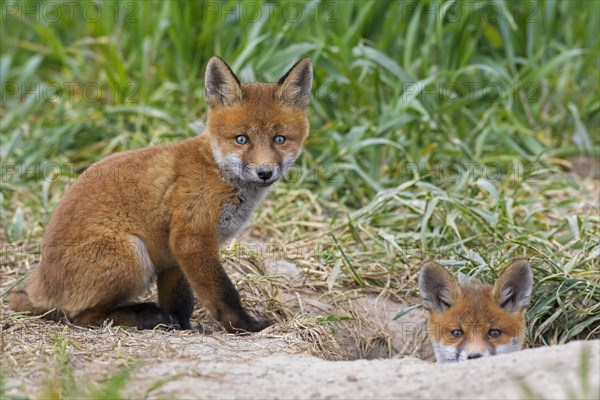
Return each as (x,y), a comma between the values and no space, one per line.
(456,333)
(279,139)
(494,333)
(241,139)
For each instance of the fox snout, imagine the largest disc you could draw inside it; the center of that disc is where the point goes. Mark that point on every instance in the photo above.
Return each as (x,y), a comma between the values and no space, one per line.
(476,350)
(261,174)
(252,170)
(266,173)
(450,352)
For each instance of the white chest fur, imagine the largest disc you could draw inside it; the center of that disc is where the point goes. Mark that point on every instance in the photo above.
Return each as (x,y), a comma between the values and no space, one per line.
(235,214)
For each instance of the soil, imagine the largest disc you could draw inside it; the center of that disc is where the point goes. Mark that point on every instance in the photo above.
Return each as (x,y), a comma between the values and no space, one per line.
(280,365)
(355,350)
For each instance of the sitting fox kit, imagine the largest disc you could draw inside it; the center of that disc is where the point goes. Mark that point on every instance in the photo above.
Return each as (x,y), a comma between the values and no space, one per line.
(475,320)
(161,212)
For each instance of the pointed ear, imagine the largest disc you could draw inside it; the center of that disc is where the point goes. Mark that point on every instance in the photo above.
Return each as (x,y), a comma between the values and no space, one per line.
(294,86)
(512,290)
(221,86)
(439,289)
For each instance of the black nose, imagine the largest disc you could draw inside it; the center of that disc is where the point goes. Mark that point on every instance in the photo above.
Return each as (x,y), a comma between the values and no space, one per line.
(264,175)
(474,355)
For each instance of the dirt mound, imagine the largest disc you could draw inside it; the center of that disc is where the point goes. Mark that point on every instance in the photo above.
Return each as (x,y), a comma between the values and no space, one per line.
(280,365)
(549,372)
(326,344)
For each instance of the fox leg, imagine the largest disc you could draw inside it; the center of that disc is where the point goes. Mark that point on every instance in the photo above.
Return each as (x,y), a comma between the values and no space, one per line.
(216,291)
(139,315)
(175,295)
(199,260)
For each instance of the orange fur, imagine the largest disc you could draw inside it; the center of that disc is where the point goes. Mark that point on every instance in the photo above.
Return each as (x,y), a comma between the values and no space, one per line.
(156,213)
(462,318)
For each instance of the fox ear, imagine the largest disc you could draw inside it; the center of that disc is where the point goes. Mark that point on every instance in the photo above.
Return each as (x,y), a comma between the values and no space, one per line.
(294,86)
(439,289)
(512,290)
(221,86)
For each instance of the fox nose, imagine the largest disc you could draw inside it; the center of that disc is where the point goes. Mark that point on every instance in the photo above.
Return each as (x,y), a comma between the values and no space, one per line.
(474,355)
(264,174)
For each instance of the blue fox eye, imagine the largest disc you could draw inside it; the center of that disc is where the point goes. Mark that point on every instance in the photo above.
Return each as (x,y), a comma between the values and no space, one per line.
(279,139)
(494,333)
(456,333)
(241,139)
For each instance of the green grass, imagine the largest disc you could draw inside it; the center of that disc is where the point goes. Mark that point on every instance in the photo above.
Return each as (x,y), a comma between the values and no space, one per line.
(438,131)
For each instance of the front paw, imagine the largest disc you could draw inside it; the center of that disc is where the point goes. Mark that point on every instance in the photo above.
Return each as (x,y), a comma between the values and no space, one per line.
(259,325)
(247,325)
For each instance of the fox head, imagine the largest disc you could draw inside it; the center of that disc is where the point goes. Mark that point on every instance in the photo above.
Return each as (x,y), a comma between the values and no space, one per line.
(256,130)
(475,320)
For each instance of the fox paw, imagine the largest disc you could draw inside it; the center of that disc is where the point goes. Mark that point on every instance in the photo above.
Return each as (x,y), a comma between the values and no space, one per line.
(259,325)
(250,325)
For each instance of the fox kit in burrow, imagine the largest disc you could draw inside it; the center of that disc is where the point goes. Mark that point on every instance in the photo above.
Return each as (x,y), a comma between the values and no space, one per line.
(161,212)
(475,320)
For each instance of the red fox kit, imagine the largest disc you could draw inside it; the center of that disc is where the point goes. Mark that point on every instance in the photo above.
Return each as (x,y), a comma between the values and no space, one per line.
(161,212)
(475,320)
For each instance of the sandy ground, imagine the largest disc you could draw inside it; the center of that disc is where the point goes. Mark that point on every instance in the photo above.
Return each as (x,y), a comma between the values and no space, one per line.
(369,356)
(280,366)
(551,373)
